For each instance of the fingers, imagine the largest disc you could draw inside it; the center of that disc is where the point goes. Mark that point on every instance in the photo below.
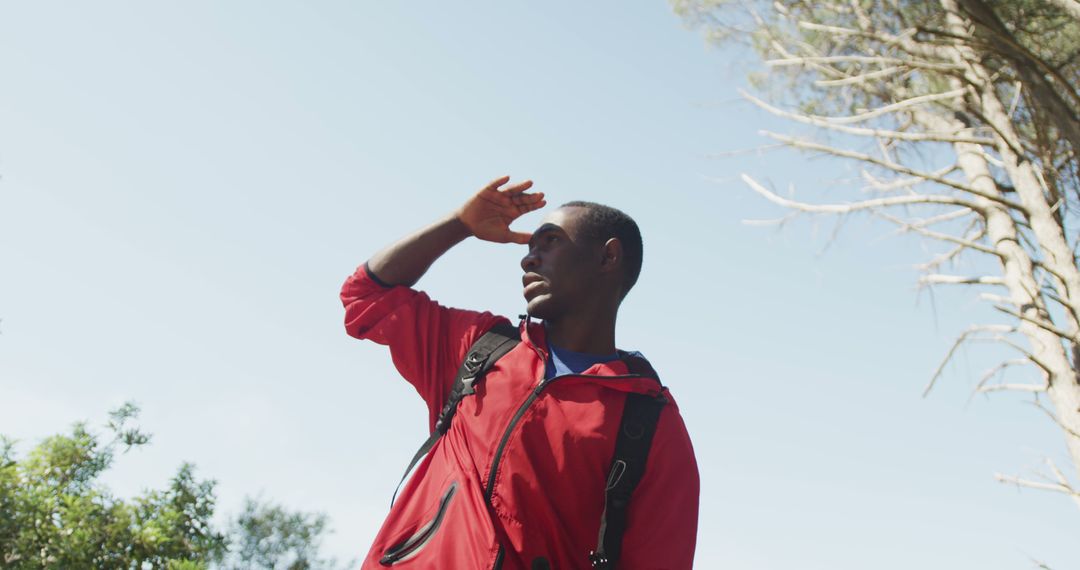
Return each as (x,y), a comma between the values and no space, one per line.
(494,184)
(514,196)
(523,204)
(519,237)
(512,201)
(517,188)
(526,199)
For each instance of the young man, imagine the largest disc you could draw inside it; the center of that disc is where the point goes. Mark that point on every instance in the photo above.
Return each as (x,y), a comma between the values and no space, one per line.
(519,479)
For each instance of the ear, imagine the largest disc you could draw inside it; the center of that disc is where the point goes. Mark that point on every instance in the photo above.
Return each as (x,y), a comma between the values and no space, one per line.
(611,256)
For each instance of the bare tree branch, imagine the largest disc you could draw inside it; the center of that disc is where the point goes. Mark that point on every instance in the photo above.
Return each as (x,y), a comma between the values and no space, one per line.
(839,123)
(1027,354)
(1059,483)
(939,260)
(903,183)
(860,79)
(854,206)
(1056,487)
(1001,366)
(871,59)
(772,222)
(760,150)
(902,40)
(968,243)
(1040,322)
(996,298)
(893,107)
(996,330)
(1053,417)
(810,145)
(939,279)
(946,217)
(1012,387)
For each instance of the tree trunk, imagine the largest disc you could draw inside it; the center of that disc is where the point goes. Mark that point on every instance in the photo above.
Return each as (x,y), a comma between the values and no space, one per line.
(1063,387)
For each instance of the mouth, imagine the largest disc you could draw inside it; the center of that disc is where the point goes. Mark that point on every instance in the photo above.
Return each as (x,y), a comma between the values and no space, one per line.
(531,282)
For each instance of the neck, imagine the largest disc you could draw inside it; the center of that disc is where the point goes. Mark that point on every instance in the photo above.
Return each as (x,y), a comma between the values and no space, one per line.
(583,331)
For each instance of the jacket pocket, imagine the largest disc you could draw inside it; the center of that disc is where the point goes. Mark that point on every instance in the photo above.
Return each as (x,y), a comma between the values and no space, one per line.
(412,545)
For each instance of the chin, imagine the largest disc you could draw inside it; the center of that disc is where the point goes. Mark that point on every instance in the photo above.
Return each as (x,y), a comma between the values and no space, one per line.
(541,307)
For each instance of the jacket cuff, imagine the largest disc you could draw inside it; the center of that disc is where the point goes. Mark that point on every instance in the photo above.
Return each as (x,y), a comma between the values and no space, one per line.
(371,275)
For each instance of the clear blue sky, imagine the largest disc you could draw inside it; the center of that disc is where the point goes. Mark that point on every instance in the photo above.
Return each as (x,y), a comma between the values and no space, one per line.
(185,186)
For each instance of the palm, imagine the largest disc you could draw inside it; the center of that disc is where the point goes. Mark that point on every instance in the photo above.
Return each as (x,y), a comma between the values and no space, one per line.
(490,212)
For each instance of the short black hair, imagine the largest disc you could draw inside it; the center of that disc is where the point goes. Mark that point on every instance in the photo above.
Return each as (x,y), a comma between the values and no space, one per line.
(602,223)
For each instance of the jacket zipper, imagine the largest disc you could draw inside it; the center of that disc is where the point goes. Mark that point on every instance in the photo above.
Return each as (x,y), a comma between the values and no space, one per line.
(489,491)
(411,546)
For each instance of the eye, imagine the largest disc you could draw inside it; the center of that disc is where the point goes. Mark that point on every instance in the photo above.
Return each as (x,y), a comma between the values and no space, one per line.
(551,238)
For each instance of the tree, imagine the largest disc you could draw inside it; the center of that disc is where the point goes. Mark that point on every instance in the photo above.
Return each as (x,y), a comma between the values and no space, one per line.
(269,536)
(965,118)
(54,513)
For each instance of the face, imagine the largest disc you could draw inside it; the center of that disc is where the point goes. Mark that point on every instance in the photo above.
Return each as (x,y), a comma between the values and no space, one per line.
(561,267)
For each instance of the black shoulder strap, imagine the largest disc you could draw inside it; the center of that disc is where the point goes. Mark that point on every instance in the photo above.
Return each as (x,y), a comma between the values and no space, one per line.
(632,444)
(483,353)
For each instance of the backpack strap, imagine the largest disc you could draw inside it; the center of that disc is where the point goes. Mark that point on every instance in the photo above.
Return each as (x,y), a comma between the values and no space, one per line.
(632,444)
(483,353)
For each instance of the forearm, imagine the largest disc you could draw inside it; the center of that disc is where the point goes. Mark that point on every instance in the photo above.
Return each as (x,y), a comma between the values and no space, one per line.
(406,260)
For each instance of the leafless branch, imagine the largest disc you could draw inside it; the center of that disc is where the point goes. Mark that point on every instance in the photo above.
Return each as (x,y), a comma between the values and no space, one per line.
(762,149)
(771,222)
(996,330)
(980,387)
(810,145)
(902,40)
(946,217)
(1040,322)
(1056,487)
(901,183)
(940,279)
(1049,293)
(1000,299)
(899,105)
(1053,417)
(939,260)
(839,123)
(1058,484)
(1027,354)
(965,243)
(853,206)
(861,78)
(1012,387)
(871,59)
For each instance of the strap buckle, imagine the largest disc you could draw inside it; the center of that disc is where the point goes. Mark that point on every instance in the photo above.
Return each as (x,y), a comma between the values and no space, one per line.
(598,560)
(473,365)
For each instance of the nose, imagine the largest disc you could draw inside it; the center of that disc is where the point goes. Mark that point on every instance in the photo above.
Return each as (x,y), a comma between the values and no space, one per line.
(530,261)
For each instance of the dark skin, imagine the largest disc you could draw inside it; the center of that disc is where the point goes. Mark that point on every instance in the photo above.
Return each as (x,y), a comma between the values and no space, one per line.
(572,282)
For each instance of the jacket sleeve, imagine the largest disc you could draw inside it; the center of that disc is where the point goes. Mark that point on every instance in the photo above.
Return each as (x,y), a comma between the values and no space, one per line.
(662,520)
(427,341)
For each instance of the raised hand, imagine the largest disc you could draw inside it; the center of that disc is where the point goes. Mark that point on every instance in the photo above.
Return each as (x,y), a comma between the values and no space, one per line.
(488,214)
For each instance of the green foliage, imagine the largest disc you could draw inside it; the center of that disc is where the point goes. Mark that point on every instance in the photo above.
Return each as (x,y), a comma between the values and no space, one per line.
(54,513)
(268,536)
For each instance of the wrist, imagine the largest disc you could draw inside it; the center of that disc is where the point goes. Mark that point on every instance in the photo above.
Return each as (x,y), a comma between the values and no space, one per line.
(457,227)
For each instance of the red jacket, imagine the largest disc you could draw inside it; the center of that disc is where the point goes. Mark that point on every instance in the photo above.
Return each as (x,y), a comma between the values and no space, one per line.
(515,480)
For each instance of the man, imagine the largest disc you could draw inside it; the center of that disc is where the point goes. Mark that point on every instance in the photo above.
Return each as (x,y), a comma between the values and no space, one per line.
(519,479)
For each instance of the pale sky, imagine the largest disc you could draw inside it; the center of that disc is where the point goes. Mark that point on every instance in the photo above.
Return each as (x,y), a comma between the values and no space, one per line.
(185,186)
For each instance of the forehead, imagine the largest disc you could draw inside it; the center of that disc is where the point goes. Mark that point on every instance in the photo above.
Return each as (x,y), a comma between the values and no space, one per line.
(567,218)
